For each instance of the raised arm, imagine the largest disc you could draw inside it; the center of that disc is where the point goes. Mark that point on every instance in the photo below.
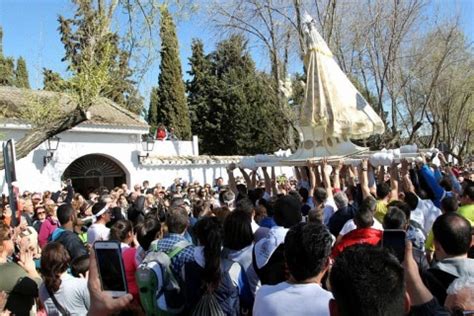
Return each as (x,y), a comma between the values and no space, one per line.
(312,178)
(430,179)
(326,178)
(247,179)
(449,171)
(274,183)
(351,174)
(407,185)
(297,174)
(232,183)
(317,174)
(268,181)
(70,192)
(364,179)
(381,174)
(394,181)
(254,179)
(337,171)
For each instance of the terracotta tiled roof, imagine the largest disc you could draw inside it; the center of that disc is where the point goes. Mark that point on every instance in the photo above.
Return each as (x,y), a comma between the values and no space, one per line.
(103,112)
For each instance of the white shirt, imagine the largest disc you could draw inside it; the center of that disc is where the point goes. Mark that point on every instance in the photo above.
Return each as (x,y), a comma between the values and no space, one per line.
(292,299)
(425,214)
(254,225)
(350,226)
(328,210)
(97,232)
(73,296)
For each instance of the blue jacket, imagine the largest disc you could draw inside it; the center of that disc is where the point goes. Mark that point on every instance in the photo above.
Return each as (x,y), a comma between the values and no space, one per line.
(438,191)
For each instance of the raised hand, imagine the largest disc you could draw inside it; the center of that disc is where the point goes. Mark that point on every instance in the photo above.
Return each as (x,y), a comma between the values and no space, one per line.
(101,302)
(26,261)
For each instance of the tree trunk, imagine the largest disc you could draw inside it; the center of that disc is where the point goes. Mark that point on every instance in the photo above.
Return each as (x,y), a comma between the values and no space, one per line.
(38,135)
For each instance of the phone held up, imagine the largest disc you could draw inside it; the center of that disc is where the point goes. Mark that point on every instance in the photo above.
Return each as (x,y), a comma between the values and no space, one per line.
(111,268)
(394,240)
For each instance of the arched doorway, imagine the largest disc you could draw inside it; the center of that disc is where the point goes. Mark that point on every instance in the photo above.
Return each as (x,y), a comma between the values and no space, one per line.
(93,171)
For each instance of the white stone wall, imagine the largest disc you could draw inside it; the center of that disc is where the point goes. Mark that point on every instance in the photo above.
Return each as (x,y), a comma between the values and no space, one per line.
(120,145)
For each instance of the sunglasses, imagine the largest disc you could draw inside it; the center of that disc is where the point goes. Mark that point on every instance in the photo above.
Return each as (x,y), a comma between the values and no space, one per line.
(40,212)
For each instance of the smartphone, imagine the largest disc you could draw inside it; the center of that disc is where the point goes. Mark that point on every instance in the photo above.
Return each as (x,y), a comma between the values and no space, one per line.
(394,240)
(111,268)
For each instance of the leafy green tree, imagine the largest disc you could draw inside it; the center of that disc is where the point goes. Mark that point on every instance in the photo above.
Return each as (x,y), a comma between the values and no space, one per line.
(76,34)
(172,108)
(21,74)
(52,81)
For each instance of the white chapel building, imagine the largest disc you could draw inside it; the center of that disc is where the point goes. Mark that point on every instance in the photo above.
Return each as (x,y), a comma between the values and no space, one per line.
(106,150)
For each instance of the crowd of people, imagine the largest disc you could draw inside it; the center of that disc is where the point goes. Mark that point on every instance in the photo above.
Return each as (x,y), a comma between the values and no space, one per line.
(310,244)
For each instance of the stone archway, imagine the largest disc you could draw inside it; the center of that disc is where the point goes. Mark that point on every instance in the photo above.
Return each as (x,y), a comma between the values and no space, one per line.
(93,171)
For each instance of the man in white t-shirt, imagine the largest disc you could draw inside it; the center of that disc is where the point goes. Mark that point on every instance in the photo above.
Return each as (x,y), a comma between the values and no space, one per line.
(98,230)
(307,248)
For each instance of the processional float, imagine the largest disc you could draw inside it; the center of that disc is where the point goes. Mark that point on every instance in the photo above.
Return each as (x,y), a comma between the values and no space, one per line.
(333,112)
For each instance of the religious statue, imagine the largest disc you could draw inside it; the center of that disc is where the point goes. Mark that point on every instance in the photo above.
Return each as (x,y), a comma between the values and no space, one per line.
(333,110)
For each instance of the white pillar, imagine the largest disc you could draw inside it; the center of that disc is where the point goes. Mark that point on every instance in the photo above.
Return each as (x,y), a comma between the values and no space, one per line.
(195,145)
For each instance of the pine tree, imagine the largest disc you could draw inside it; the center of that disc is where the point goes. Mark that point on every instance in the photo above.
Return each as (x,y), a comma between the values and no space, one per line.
(234,107)
(172,110)
(199,88)
(21,74)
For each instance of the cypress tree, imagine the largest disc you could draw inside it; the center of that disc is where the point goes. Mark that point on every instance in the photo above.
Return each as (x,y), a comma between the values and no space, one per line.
(7,66)
(153,108)
(1,42)
(7,71)
(21,74)
(172,110)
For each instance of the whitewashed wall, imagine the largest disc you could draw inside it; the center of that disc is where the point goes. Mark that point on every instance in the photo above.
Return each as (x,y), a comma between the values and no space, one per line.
(121,145)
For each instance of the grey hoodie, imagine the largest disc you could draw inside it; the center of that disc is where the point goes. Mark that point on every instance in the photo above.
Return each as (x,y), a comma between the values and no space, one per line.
(244,258)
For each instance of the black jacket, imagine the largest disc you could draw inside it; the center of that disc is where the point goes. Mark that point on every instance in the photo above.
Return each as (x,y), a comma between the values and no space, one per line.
(72,243)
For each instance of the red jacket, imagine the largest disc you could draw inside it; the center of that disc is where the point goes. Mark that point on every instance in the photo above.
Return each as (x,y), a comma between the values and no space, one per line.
(358,236)
(161,134)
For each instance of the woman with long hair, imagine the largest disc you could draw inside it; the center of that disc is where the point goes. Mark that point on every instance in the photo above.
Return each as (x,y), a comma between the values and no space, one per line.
(238,245)
(123,232)
(207,273)
(61,293)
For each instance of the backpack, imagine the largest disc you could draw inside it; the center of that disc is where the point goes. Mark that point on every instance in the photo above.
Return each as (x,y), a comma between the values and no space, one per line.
(208,306)
(201,300)
(159,290)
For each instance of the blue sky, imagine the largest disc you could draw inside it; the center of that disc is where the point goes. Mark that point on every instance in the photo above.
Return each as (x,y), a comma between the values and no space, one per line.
(30,30)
